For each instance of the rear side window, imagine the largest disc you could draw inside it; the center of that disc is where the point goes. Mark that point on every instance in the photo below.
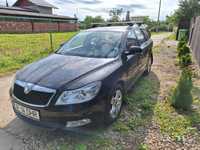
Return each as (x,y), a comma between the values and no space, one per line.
(131,35)
(139,35)
(132,39)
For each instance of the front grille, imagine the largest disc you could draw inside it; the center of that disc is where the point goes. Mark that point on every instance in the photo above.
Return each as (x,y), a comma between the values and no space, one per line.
(34,97)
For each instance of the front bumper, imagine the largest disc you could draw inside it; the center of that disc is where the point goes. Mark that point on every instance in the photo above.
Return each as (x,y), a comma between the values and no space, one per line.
(65,116)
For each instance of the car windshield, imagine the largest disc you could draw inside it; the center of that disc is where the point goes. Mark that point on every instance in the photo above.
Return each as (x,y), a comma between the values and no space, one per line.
(97,44)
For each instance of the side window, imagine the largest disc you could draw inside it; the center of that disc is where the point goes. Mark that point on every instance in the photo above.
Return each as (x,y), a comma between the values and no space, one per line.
(131,39)
(139,35)
(131,35)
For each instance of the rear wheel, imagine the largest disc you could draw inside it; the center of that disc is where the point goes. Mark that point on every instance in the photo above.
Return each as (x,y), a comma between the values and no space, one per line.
(114,105)
(148,65)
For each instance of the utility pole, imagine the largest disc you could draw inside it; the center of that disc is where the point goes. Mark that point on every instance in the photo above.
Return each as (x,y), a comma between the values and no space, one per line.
(158,22)
(7,3)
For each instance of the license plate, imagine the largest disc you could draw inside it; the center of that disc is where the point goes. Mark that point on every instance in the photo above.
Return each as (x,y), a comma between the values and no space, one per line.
(27,112)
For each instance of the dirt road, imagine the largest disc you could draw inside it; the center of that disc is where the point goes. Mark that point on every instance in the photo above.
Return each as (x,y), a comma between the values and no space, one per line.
(17,135)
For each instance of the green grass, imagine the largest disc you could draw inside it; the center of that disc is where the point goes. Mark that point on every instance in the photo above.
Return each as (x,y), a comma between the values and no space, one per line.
(175,123)
(157,33)
(17,50)
(170,122)
(140,105)
(172,37)
(143,147)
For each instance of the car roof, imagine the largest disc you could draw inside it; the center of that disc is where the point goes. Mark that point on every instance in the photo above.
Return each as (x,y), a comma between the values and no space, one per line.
(112,28)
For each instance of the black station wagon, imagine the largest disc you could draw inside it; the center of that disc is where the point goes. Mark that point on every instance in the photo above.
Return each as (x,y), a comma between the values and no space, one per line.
(85,80)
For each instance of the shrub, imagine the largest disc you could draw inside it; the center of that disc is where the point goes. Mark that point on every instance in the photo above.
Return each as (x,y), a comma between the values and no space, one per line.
(185,60)
(184,54)
(181,43)
(181,97)
(183,50)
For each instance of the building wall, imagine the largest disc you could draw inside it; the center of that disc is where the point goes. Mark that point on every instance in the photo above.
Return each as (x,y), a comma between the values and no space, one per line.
(45,27)
(35,27)
(67,27)
(15,27)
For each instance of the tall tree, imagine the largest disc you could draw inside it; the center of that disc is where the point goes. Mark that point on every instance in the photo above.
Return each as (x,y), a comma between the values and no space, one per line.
(115,14)
(98,19)
(89,20)
(128,16)
(187,9)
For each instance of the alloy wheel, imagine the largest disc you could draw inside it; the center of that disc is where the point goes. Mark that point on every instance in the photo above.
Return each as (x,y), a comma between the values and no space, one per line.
(116,104)
(149,65)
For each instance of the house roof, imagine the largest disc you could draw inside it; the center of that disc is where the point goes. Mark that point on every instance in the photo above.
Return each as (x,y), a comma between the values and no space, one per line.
(15,8)
(42,3)
(39,3)
(9,11)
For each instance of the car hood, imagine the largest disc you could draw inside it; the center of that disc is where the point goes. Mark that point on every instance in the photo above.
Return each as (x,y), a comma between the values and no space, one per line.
(57,70)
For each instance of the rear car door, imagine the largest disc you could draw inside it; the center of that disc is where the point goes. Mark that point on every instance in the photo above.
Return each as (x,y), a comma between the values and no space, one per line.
(145,44)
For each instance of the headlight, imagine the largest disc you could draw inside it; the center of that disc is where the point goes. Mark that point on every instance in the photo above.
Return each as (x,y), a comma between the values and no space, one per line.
(80,95)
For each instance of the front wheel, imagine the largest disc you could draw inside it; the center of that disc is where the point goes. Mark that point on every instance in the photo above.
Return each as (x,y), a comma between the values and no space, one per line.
(114,105)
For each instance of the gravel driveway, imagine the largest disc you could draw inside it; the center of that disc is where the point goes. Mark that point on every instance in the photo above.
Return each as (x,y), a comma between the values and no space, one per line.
(15,134)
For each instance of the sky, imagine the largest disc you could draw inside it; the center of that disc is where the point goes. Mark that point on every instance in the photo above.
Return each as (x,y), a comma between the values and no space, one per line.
(83,8)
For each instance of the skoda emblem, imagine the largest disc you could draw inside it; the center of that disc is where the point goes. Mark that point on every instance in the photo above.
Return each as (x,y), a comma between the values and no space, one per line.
(28,88)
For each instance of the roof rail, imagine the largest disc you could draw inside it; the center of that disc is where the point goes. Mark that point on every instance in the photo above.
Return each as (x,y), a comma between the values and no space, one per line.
(129,23)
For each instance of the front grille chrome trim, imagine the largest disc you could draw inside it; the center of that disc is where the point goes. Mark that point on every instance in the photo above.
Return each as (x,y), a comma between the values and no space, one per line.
(34,88)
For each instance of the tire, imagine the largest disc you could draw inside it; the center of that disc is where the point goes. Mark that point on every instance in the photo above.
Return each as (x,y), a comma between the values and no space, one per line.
(148,65)
(114,105)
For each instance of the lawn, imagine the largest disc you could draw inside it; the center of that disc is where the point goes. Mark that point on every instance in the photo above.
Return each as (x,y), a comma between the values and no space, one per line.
(17,50)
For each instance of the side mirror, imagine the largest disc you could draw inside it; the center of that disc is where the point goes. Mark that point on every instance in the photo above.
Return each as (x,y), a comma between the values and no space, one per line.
(62,44)
(134,49)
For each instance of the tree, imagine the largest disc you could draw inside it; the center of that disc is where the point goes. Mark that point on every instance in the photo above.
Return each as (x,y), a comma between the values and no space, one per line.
(98,19)
(171,20)
(115,14)
(187,9)
(89,20)
(128,16)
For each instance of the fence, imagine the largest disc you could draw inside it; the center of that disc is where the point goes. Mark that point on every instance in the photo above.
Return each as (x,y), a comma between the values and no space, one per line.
(17,50)
(195,38)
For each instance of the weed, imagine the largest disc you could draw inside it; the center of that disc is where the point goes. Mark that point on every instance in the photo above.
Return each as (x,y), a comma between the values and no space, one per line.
(170,122)
(143,147)
(121,127)
(80,147)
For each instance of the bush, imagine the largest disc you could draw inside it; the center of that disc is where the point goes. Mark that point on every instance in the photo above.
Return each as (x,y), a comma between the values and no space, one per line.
(184,54)
(183,50)
(181,97)
(180,45)
(185,60)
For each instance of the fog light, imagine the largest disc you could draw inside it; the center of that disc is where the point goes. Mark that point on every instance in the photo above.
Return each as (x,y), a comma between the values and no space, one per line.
(72,124)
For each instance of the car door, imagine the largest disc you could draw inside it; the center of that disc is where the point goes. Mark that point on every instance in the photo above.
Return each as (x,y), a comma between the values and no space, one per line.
(131,63)
(144,43)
